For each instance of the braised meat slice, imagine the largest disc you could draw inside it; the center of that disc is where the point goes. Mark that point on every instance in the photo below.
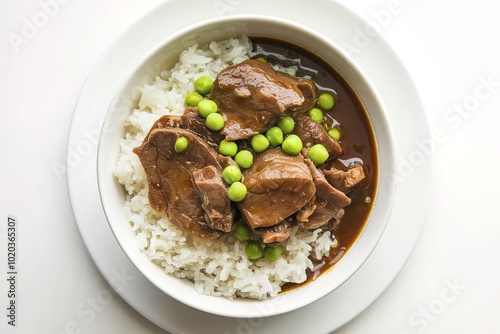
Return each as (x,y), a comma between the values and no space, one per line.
(214,200)
(345,180)
(278,185)
(252,97)
(307,210)
(276,234)
(170,177)
(312,133)
(334,222)
(327,202)
(190,120)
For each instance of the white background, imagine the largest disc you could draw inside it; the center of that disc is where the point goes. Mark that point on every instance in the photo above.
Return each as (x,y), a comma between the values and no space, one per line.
(450,48)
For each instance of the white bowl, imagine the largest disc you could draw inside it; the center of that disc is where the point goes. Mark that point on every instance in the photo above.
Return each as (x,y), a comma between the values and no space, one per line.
(164,56)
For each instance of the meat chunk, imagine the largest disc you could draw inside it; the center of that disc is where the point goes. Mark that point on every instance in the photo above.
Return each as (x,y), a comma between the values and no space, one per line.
(306,211)
(277,186)
(252,97)
(170,177)
(213,192)
(334,222)
(345,180)
(327,202)
(276,234)
(312,132)
(192,121)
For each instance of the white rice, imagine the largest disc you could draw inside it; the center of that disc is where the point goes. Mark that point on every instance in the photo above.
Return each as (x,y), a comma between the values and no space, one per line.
(216,267)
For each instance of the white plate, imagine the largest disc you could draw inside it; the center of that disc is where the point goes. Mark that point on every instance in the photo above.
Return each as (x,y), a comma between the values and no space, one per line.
(410,208)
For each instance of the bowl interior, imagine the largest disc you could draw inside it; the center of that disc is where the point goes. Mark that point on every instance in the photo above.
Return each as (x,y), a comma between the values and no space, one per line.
(164,56)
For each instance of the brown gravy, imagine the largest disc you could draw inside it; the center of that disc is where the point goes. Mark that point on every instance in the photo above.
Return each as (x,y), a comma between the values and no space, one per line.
(357,141)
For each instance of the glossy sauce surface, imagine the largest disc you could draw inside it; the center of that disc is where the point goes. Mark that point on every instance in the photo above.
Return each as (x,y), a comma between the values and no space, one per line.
(357,140)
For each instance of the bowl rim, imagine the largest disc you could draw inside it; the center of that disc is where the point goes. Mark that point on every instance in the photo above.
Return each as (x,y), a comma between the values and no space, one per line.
(248,19)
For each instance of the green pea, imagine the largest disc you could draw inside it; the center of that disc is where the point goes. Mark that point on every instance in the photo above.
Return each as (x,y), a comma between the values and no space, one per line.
(275,136)
(203,84)
(231,174)
(292,145)
(262,59)
(243,232)
(316,114)
(259,143)
(228,148)
(244,158)
(237,191)
(318,154)
(286,124)
(326,101)
(272,253)
(253,250)
(181,144)
(214,121)
(207,107)
(192,99)
(335,133)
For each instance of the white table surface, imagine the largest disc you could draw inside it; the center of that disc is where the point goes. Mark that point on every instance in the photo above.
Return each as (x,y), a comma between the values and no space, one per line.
(451,282)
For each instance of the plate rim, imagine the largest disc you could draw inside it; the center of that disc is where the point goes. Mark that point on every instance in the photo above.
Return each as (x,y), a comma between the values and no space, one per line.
(87,165)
